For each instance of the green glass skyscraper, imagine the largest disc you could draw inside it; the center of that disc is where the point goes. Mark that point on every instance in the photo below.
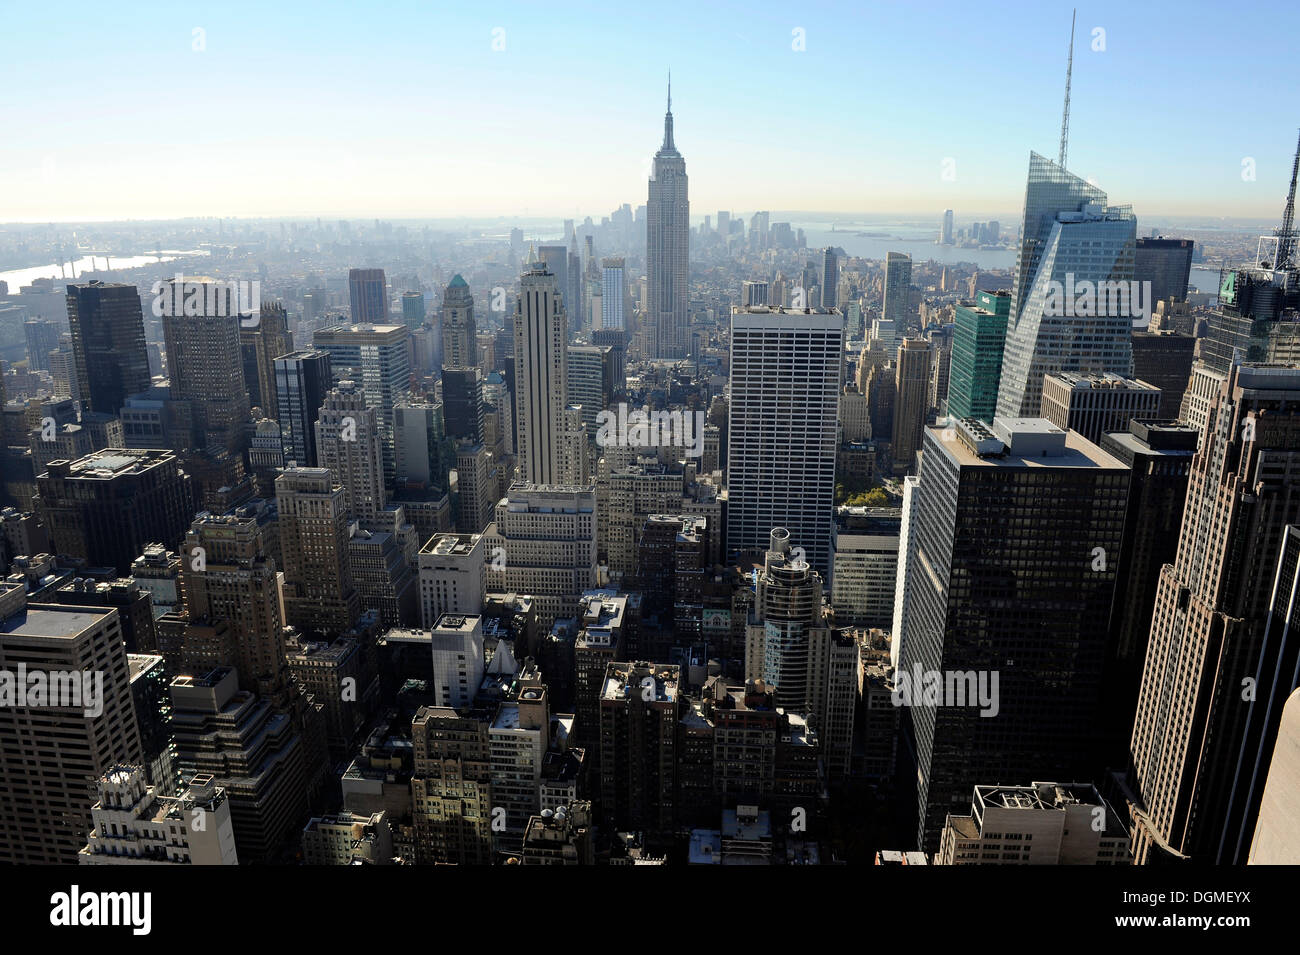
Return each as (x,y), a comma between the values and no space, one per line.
(978,338)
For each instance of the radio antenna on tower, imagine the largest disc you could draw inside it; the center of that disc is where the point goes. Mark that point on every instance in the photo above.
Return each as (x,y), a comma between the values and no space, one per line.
(1065,115)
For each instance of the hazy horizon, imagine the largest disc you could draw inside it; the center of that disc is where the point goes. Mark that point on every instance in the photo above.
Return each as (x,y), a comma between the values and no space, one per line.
(165,111)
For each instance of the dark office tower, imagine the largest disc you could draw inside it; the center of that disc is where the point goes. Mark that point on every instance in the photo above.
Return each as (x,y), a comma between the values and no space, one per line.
(668,234)
(451,787)
(881,395)
(787,605)
(462,404)
(261,345)
(1166,264)
(911,401)
(302,379)
(1159,456)
(108,344)
(414,311)
(785,384)
(153,711)
(52,755)
(639,710)
(105,507)
(42,338)
(1164,359)
(251,750)
(368,291)
(616,340)
(989,505)
(134,606)
(205,366)
(459,334)
(319,593)
(895,306)
(830,279)
(1199,718)
(1070,236)
(226,574)
(1255,320)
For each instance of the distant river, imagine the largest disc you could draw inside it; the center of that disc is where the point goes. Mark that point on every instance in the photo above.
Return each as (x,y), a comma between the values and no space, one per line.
(97,263)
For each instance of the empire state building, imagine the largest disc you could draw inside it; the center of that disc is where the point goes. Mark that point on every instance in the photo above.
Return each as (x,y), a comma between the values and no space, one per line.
(668,233)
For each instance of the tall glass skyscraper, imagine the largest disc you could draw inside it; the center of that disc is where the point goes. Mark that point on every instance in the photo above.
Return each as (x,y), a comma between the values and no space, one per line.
(1070,235)
(107,327)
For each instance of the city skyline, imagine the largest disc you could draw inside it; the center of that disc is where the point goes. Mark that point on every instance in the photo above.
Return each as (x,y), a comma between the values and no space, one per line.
(249,121)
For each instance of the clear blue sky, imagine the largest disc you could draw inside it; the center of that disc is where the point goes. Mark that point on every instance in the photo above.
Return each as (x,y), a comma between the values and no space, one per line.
(406,109)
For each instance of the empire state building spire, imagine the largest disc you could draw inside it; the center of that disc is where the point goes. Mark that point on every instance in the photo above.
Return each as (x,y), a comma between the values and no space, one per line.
(668,235)
(668,146)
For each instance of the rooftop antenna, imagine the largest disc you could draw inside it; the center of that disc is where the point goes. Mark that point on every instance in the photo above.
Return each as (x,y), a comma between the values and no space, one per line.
(1287,237)
(1065,115)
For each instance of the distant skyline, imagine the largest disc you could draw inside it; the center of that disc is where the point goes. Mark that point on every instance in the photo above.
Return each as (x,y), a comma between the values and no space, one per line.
(411,112)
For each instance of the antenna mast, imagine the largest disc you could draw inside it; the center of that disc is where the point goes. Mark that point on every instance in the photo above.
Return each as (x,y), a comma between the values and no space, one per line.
(1065,116)
(1287,234)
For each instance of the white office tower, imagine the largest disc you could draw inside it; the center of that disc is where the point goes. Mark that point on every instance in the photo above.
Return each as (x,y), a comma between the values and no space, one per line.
(348,442)
(457,641)
(451,574)
(543,543)
(541,373)
(575,461)
(785,382)
(884,333)
(613,293)
(910,484)
(754,293)
(133,825)
(518,738)
(51,755)
(1071,237)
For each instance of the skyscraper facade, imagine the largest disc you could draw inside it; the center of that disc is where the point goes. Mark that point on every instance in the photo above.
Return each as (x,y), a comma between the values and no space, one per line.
(898,290)
(459,334)
(319,593)
(785,382)
(1071,236)
(830,278)
(368,292)
(347,442)
(301,380)
(378,357)
(911,401)
(205,368)
(668,232)
(1166,264)
(613,293)
(1197,735)
(541,373)
(979,335)
(107,327)
(1002,540)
